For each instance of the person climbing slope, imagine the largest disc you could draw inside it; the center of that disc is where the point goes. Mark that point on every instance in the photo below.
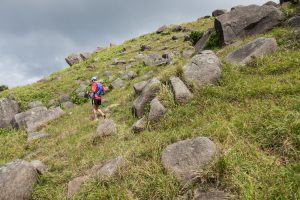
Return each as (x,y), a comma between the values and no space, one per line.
(97,91)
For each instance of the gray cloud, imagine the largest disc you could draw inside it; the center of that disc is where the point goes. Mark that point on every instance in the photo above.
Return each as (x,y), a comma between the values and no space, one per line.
(36,35)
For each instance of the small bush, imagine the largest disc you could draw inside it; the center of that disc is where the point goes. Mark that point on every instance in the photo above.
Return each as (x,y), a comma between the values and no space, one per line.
(3,87)
(214,42)
(195,36)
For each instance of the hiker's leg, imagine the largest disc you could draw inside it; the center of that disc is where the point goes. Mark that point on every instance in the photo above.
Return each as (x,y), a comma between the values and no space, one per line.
(101,112)
(95,108)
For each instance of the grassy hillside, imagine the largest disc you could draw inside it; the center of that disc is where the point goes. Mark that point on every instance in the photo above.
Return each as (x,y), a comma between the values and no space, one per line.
(253,115)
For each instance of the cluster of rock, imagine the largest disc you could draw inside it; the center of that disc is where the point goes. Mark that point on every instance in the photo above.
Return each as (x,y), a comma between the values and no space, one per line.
(204,69)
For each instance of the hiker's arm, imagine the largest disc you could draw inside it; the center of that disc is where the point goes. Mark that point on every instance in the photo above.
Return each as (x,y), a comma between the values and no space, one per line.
(103,89)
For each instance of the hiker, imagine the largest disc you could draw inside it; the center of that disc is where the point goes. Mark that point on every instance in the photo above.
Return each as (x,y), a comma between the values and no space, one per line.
(97,91)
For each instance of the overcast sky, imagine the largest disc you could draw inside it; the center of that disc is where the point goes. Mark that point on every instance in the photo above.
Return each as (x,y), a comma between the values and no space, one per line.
(36,35)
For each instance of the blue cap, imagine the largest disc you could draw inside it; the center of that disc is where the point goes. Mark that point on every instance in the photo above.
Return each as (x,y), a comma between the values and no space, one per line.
(94,78)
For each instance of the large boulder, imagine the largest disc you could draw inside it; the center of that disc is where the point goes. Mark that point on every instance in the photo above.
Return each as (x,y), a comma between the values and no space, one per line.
(138,87)
(157,111)
(181,92)
(106,128)
(200,45)
(203,69)
(34,118)
(243,21)
(185,158)
(148,93)
(73,59)
(8,109)
(255,49)
(17,180)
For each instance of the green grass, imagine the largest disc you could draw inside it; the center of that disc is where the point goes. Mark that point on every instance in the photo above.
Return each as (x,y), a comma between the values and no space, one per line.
(252,115)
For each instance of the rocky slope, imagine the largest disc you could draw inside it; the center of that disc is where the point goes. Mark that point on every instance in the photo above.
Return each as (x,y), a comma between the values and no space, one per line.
(216,121)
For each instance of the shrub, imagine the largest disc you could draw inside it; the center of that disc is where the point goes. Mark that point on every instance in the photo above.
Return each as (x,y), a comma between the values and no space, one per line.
(214,42)
(3,87)
(195,36)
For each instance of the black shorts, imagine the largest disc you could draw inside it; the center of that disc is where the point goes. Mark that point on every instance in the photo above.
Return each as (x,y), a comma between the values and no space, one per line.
(97,102)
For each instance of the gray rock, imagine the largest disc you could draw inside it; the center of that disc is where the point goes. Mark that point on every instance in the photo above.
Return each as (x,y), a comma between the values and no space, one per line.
(139,126)
(17,180)
(293,22)
(139,57)
(178,36)
(138,87)
(64,98)
(148,93)
(91,67)
(203,69)
(98,49)
(34,104)
(210,195)
(178,28)
(130,75)
(145,47)
(8,109)
(53,103)
(117,61)
(38,166)
(271,3)
(186,38)
(148,74)
(156,60)
(243,21)
(85,56)
(118,84)
(188,53)
(112,45)
(255,49)
(161,29)
(67,105)
(73,59)
(181,92)
(34,118)
(218,12)
(157,111)
(108,74)
(109,169)
(75,185)
(106,128)
(200,45)
(131,60)
(185,158)
(36,136)
(127,67)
